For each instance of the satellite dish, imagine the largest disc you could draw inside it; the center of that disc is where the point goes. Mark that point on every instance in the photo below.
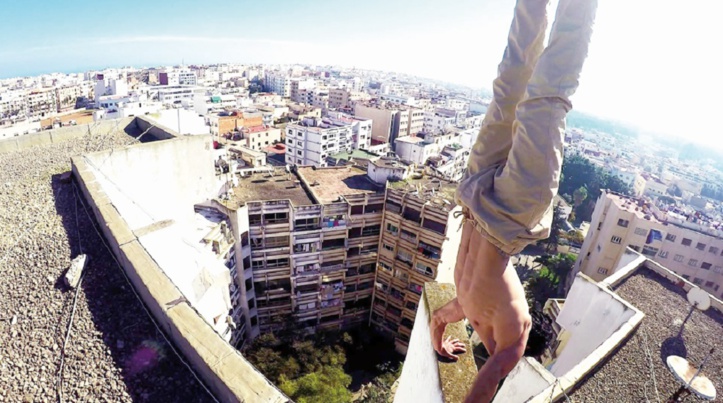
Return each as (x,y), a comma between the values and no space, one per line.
(699,298)
(689,376)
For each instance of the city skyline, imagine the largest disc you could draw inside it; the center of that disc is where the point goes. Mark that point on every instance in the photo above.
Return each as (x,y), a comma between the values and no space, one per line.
(633,75)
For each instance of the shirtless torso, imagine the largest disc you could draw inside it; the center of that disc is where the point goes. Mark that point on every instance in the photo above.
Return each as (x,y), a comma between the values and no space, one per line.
(490,295)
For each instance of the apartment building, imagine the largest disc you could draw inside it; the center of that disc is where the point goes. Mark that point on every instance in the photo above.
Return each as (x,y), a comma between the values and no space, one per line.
(689,244)
(175,94)
(313,236)
(178,77)
(311,141)
(41,102)
(390,122)
(419,243)
(361,129)
(437,123)
(259,137)
(443,151)
(13,103)
(299,88)
(219,242)
(278,83)
(343,98)
(225,122)
(67,96)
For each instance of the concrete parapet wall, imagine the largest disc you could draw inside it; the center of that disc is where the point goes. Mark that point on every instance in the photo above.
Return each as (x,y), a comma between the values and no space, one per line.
(223,369)
(59,135)
(155,129)
(424,377)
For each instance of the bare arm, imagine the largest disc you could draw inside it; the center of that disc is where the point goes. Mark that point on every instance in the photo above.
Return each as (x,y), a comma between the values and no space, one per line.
(489,376)
(449,313)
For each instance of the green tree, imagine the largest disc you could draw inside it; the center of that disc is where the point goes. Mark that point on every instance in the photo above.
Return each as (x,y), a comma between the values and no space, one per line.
(380,389)
(556,229)
(579,195)
(578,172)
(549,281)
(330,384)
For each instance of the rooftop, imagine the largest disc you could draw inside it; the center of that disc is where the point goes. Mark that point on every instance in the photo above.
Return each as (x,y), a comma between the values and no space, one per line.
(427,187)
(274,184)
(362,154)
(409,139)
(328,184)
(637,372)
(110,326)
(635,206)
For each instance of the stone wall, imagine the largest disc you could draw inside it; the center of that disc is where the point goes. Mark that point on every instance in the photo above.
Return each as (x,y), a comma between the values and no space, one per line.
(45,137)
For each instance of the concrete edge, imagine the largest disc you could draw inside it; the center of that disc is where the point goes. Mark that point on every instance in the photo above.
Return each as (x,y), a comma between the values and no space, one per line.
(59,135)
(598,357)
(223,369)
(456,378)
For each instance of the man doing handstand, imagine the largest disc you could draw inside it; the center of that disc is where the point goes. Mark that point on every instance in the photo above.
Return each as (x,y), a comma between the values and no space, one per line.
(512,177)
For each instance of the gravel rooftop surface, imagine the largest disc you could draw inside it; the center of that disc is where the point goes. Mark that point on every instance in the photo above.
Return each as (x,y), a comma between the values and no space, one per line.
(628,375)
(114,352)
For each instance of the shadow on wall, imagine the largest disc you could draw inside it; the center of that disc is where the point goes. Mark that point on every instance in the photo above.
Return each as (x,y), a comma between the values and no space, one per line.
(150,369)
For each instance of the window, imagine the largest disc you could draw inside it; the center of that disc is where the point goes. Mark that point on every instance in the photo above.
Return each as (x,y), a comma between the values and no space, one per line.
(714,250)
(599,225)
(435,226)
(693,262)
(245,239)
(356,210)
(393,229)
(389,247)
(254,320)
(705,266)
(623,223)
(698,281)
(602,270)
(412,215)
(687,277)
(700,246)
(650,251)
(276,218)
(298,152)
(641,231)
(424,269)
(670,237)
(254,219)
(404,256)
(385,267)
(679,258)
(663,254)
(252,304)
(709,284)
(686,242)
(371,230)
(616,239)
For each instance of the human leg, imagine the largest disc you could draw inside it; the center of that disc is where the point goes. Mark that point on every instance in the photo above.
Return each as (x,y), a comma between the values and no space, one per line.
(524,46)
(511,205)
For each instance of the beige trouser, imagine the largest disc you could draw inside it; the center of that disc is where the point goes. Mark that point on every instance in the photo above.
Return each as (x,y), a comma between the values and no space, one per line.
(514,168)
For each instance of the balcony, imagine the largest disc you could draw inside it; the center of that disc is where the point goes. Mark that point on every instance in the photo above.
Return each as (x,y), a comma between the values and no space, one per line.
(429,251)
(333,267)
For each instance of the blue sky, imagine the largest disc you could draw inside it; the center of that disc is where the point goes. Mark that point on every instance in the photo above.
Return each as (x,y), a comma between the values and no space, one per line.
(653,63)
